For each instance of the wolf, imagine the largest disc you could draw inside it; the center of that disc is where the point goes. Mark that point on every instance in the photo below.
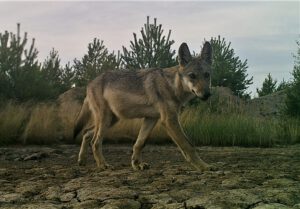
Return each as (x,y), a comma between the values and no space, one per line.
(150,94)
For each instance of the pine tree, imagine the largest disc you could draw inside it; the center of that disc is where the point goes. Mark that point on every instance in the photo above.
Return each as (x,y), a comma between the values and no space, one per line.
(293,91)
(67,77)
(228,69)
(52,72)
(153,49)
(20,76)
(283,85)
(268,86)
(96,61)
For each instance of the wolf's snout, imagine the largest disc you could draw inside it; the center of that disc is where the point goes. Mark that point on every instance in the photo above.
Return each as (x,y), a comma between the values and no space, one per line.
(206,96)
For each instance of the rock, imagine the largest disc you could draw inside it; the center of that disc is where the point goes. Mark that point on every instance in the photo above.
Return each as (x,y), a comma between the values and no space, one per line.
(10,198)
(200,202)
(282,182)
(272,206)
(102,193)
(73,185)
(67,197)
(122,203)
(28,189)
(231,183)
(53,193)
(156,198)
(90,204)
(235,198)
(41,205)
(284,195)
(36,156)
(168,206)
(181,195)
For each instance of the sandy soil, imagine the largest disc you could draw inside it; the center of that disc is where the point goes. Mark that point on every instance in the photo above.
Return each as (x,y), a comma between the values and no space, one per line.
(49,177)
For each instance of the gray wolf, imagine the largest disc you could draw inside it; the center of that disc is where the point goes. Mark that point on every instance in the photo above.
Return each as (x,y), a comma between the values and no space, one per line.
(151,94)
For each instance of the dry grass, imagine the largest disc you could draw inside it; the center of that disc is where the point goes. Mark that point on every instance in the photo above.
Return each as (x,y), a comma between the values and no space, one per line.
(13,119)
(43,126)
(51,123)
(67,113)
(127,130)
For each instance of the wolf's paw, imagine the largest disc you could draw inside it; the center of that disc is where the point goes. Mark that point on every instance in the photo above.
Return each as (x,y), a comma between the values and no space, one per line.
(104,166)
(139,166)
(211,168)
(81,162)
(204,167)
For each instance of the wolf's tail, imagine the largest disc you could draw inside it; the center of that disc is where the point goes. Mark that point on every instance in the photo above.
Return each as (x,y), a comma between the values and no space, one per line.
(82,118)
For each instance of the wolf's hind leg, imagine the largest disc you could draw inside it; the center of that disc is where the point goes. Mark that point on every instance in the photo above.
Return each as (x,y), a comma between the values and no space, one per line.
(97,140)
(87,136)
(147,127)
(102,116)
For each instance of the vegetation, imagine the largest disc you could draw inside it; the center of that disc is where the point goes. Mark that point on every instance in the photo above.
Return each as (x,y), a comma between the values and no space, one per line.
(21,123)
(220,124)
(229,70)
(293,90)
(153,49)
(237,129)
(19,67)
(58,79)
(96,61)
(268,86)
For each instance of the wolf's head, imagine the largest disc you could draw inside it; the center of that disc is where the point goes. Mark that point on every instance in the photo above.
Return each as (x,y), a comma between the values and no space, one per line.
(195,71)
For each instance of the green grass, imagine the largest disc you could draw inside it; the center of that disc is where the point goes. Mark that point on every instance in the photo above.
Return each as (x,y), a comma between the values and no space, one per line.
(45,124)
(238,129)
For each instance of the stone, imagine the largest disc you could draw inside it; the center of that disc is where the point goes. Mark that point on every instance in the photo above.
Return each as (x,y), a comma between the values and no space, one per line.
(29,188)
(67,197)
(36,156)
(272,206)
(10,197)
(121,203)
(53,193)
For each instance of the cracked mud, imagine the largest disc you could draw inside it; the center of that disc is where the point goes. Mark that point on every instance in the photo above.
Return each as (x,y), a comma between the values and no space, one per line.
(49,177)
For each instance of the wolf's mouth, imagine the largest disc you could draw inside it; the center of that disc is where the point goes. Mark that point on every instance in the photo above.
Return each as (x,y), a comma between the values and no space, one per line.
(202,97)
(197,95)
(194,92)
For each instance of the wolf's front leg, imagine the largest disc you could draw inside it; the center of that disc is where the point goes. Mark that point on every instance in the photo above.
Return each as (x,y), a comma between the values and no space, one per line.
(189,152)
(146,128)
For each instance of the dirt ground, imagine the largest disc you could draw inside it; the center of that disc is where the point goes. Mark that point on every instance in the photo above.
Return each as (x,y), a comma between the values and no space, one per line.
(48,177)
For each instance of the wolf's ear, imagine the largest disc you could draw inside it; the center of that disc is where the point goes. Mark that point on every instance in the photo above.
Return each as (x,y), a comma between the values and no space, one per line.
(206,52)
(184,55)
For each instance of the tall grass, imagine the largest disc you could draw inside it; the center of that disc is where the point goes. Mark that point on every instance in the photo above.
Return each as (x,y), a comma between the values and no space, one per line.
(52,123)
(13,119)
(44,126)
(238,129)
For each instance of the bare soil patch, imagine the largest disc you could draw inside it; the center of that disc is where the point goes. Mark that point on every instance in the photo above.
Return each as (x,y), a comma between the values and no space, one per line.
(49,177)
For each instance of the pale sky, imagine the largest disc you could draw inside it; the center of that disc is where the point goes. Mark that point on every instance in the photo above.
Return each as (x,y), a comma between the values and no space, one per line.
(262,32)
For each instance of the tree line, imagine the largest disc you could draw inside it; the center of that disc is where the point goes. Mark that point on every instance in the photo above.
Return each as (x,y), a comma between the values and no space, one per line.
(23,77)
(291,88)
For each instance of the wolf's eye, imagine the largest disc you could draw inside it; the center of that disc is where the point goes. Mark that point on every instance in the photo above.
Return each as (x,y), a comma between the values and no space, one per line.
(192,75)
(206,75)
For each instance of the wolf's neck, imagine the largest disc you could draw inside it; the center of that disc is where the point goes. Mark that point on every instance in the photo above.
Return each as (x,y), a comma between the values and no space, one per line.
(175,81)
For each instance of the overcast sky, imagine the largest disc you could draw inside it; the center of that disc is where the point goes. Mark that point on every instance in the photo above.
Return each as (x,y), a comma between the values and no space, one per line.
(264,33)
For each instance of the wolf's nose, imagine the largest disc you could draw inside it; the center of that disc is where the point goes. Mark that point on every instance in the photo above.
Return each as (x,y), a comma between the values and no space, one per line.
(206,96)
